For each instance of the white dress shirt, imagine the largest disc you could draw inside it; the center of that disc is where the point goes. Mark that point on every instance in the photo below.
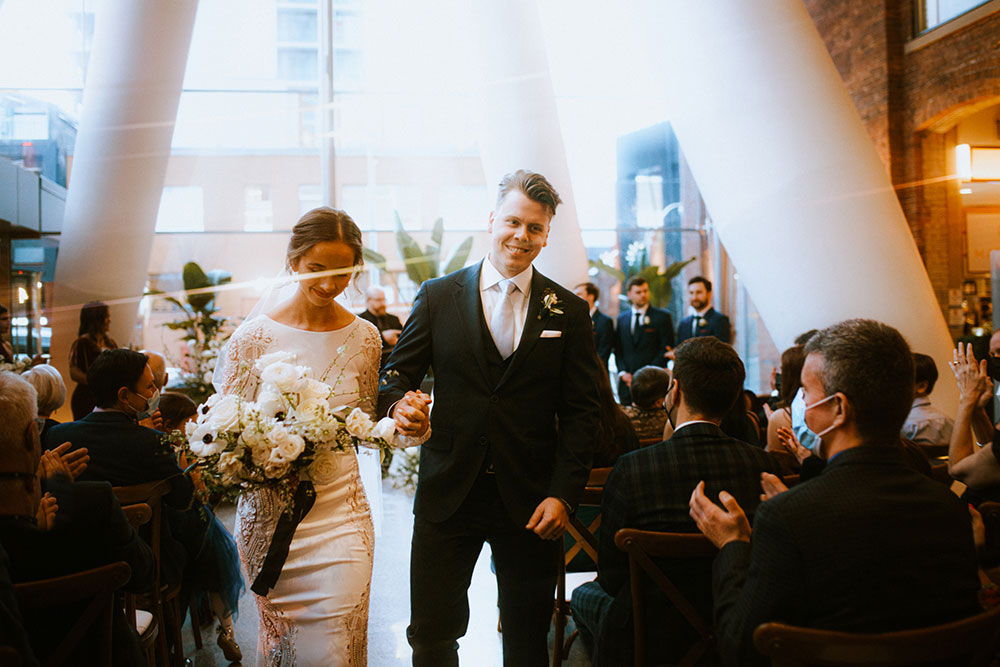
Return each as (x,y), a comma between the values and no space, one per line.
(490,291)
(642,317)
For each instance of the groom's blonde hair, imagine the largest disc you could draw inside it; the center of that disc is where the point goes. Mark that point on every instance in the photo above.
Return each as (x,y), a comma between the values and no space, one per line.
(534,186)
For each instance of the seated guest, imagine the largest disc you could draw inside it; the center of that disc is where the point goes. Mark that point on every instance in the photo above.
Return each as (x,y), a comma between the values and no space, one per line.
(51,390)
(12,632)
(195,548)
(649,389)
(926,425)
(649,489)
(979,466)
(388,325)
(88,529)
(176,410)
(781,418)
(870,545)
(158,364)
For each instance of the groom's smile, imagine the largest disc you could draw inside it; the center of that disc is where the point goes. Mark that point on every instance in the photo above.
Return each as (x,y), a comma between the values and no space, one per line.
(519,229)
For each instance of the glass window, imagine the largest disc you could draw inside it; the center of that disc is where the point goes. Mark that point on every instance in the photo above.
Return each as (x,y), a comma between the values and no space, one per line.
(464,206)
(933,13)
(298,64)
(298,25)
(258,211)
(374,207)
(310,197)
(182,209)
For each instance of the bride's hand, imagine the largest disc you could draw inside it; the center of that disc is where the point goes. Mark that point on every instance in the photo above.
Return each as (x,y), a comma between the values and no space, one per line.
(412,414)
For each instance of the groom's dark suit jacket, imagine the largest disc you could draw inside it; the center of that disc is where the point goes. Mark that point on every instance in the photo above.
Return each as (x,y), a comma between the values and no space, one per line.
(504,414)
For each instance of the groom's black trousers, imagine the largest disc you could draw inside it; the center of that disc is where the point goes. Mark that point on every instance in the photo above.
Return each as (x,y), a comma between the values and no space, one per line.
(442,558)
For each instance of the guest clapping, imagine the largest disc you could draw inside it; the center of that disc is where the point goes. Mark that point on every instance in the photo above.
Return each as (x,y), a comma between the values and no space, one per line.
(51,391)
(870,545)
(977,467)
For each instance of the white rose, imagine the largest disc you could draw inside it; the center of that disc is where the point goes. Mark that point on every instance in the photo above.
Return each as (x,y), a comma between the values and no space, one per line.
(230,466)
(359,424)
(314,389)
(290,448)
(385,429)
(324,468)
(275,470)
(260,452)
(207,377)
(269,403)
(281,375)
(310,410)
(285,446)
(273,358)
(225,414)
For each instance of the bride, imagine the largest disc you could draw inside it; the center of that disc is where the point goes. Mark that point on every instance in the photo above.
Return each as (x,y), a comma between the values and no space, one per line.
(316,612)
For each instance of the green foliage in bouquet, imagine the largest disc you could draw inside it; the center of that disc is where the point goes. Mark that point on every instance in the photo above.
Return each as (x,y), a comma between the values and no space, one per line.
(204,332)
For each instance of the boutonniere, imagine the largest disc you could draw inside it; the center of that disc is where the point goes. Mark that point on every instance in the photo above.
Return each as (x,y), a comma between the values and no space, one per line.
(701,322)
(646,320)
(551,305)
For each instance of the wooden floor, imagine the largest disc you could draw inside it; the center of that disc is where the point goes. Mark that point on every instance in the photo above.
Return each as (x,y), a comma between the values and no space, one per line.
(389,613)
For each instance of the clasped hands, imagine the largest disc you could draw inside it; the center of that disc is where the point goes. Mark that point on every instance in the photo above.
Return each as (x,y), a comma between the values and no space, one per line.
(412,413)
(722,525)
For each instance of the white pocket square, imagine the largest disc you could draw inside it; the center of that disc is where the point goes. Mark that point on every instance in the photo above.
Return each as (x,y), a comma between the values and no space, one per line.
(551,334)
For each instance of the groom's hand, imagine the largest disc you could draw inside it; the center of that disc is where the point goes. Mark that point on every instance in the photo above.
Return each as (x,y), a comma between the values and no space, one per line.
(550,519)
(412,414)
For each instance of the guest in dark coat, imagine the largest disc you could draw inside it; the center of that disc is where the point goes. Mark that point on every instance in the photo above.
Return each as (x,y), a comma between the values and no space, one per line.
(194,548)
(870,545)
(93,338)
(388,325)
(604,326)
(87,529)
(644,337)
(705,320)
(649,489)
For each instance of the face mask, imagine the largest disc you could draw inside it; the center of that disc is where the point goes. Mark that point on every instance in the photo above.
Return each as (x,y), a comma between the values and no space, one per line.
(993,368)
(152,403)
(806,437)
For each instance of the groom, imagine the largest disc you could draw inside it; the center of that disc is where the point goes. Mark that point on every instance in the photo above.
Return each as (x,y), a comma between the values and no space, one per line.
(515,411)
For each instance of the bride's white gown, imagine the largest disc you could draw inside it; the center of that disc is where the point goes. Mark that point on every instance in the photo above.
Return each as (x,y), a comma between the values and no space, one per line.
(317,613)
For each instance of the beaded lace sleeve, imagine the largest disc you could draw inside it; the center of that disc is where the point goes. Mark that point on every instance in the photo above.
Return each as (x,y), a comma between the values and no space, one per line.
(235,373)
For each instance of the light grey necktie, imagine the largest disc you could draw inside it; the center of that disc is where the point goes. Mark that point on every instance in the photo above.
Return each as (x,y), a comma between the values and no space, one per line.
(502,320)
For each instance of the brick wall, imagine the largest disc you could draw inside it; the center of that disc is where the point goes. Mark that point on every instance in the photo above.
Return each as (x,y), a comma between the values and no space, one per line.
(910,102)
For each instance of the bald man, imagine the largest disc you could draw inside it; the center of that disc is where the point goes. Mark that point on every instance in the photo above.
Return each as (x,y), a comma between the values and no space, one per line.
(388,324)
(158,364)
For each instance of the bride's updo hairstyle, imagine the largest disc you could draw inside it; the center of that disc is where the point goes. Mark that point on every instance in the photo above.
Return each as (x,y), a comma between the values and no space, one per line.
(320,225)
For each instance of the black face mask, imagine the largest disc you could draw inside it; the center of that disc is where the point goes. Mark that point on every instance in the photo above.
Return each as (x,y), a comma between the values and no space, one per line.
(993,368)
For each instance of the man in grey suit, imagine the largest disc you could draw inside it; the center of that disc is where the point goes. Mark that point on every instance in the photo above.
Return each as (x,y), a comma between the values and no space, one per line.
(515,412)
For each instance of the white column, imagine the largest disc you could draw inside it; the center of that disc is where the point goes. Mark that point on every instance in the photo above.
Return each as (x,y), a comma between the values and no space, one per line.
(520,123)
(130,103)
(788,172)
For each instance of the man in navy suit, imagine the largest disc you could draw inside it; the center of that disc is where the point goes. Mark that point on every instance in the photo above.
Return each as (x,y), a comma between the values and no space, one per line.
(644,337)
(512,431)
(604,326)
(705,321)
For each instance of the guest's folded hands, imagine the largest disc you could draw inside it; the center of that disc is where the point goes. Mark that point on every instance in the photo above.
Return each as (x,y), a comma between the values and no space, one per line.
(720,526)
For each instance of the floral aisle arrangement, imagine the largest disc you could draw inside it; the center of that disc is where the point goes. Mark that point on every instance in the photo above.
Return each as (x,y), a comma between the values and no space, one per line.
(289,434)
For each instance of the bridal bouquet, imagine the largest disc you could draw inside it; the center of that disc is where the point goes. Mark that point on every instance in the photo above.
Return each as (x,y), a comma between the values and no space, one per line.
(289,433)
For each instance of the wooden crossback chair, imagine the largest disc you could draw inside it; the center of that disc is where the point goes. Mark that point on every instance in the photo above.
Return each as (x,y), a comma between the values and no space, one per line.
(644,545)
(584,539)
(163,601)
(971,641)
(142,621)
(97,588)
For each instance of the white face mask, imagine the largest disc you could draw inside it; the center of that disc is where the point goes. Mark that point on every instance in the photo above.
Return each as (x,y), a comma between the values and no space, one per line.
(818,443)
(806,437)
(152,403)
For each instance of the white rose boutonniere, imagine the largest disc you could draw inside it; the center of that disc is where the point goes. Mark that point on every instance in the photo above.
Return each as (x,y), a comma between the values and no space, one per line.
(551,305)
(646,320)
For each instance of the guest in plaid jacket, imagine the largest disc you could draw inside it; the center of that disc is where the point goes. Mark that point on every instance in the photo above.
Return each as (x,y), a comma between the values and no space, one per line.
(649,489)
(871,545)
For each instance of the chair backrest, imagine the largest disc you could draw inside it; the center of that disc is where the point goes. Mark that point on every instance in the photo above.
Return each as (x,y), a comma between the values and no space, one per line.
(137,514)
(939,471)
(644,545)
(95,587)
(647,442)
(150,494)
(970,641)
(790,480)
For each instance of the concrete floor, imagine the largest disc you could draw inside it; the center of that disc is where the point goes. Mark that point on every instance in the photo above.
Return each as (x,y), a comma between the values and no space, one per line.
(389,613)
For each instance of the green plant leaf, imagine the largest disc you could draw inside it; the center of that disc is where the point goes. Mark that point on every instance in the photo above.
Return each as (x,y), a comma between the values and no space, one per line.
(437,233)
(607,268)
(219,277)
(418,265)
(459,256)
(195,278)
(372,257)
